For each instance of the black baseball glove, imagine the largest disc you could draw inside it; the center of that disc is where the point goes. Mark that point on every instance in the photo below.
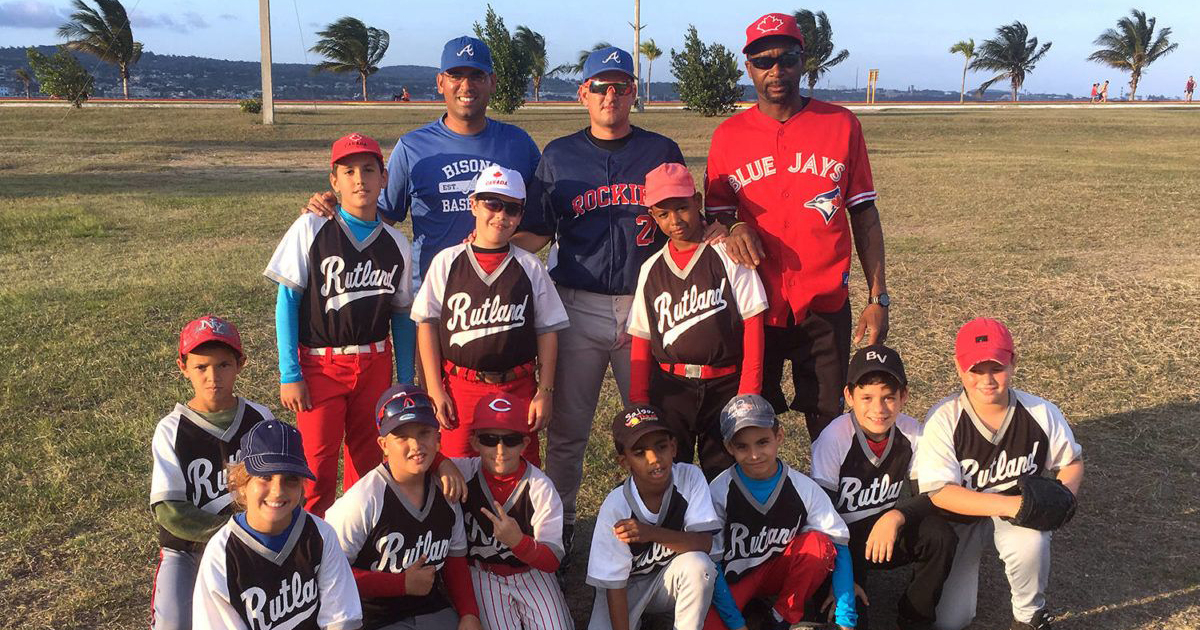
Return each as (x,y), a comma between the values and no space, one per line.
(1046,504)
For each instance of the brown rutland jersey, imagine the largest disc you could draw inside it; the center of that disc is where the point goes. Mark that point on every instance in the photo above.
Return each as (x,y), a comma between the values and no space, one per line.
(349,288)
(695,314)
(488,321)
(861,484)
(534,504)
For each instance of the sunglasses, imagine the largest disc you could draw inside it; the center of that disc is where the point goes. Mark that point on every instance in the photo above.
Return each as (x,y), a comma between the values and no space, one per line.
(511,208)
(401,404)
(601,87)
(491,439)
(786,60)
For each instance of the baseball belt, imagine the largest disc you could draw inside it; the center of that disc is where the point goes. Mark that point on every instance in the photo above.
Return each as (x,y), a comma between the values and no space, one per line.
(493,378)
(691,370)
(378,346)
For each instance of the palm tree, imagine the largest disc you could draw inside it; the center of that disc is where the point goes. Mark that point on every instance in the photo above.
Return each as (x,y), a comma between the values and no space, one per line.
(1132,46)
(24,78)
(652,52)
(535,46)
(967,49)
(818,45)
(577,68)
(1012,53)
(105,34)
(351,46)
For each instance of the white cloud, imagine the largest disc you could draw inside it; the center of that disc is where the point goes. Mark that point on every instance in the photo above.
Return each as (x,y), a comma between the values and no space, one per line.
(31,14)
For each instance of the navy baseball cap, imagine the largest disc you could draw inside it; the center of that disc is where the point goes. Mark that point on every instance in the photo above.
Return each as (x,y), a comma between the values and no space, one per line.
(466,52)
(274,447)
(403,404)
(605,59)
(876,358)
(746,410)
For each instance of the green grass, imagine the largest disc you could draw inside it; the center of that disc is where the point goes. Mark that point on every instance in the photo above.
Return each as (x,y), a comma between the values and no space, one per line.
(1077,227)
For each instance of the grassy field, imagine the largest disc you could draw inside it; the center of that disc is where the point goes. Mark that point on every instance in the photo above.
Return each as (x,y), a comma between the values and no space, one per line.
(1078,227)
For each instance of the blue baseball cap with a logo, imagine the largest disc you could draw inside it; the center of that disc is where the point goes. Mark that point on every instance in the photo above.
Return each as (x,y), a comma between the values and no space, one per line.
(466,52)
(746,410)
(403,404)
(605,59)
(274,447)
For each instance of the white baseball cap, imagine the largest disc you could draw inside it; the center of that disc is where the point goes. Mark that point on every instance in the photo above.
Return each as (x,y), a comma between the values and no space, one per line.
(497,180)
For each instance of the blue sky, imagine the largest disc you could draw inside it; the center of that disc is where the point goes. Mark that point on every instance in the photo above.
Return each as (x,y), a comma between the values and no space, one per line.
(907,41)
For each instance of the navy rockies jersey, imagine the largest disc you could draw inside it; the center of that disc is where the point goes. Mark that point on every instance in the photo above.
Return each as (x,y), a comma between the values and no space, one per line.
(489,322)
(753,533)
(687,507)
(534,504)
(957,448)
(307,585)
(862,484)
(349,288)
(190,455)
(591,200)
(432,171)
(695,314)
(380,530)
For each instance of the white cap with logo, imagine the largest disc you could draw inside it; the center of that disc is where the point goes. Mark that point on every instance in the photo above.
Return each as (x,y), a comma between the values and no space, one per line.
(497,180)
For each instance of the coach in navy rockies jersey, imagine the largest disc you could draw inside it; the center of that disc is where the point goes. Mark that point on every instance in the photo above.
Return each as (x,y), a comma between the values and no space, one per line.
(590,187)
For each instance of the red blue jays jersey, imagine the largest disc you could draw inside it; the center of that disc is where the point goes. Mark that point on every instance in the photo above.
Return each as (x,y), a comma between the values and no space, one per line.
(793,181)
(591,200)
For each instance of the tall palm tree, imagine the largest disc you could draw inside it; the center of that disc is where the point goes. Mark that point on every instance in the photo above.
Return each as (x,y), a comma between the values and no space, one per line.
(23,76)
(535,46)
(1012,53)
(818,46)
(967,49)
(577,68)
(652,52)
(351,46)
(104,33)
(1132,46)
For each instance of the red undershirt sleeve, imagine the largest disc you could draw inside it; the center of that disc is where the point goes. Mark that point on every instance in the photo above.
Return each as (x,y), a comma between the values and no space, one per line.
(457,576)
(378,583)
(752,356)
(537,556)
(640,365)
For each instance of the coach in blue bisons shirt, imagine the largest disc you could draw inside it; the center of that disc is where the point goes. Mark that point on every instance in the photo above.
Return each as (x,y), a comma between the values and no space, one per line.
(588,195)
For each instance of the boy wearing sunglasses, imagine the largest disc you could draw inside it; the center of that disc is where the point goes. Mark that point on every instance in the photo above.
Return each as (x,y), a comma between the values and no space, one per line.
(487,318)
(513,519)
(588,194)
(791,180)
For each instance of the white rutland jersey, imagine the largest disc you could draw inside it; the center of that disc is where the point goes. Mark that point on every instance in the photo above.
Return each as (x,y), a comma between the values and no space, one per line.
(381,530)
(307,585)
(687,506)
(956,448)
(534,504)
(861,483)
(695,314)
(349,288)
(752,533)
(190,455)
(489,321)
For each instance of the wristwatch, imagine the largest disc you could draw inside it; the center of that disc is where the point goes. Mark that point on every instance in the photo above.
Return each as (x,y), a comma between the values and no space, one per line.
(882,299)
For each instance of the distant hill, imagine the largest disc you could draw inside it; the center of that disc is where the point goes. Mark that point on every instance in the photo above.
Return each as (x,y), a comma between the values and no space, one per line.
(174,76)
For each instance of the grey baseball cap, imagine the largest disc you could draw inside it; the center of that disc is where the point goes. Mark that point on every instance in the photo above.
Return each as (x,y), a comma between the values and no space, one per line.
(746,410)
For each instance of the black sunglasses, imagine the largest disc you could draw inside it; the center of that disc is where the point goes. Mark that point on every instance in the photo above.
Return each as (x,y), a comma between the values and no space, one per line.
(601,87)
(511,208)
(491,439)
(786,60)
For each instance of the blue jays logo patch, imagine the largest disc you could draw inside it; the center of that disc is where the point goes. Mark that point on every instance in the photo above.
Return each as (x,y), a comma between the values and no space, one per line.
(827,203)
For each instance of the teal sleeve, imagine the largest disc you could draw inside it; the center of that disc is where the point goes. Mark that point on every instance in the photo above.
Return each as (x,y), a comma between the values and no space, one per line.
(722,598)
(843,588)
(287,334)
(404,345)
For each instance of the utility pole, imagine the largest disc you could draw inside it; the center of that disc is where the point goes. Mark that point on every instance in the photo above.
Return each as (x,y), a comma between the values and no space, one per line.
(264,27)
(637,50)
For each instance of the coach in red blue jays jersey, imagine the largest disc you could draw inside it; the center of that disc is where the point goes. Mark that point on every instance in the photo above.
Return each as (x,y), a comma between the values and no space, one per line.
(791,179)
(587,195)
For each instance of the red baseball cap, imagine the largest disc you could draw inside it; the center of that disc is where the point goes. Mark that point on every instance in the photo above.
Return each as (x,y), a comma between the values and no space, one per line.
(354,143)
(667,181)
(983,339)
(770,25)
(206,329)
(501,411)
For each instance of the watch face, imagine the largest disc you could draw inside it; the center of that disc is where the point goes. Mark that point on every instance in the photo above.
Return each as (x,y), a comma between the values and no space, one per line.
(883,300)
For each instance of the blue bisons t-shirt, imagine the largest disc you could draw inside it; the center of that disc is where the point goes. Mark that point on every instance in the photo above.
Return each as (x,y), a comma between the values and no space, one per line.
(431,172)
